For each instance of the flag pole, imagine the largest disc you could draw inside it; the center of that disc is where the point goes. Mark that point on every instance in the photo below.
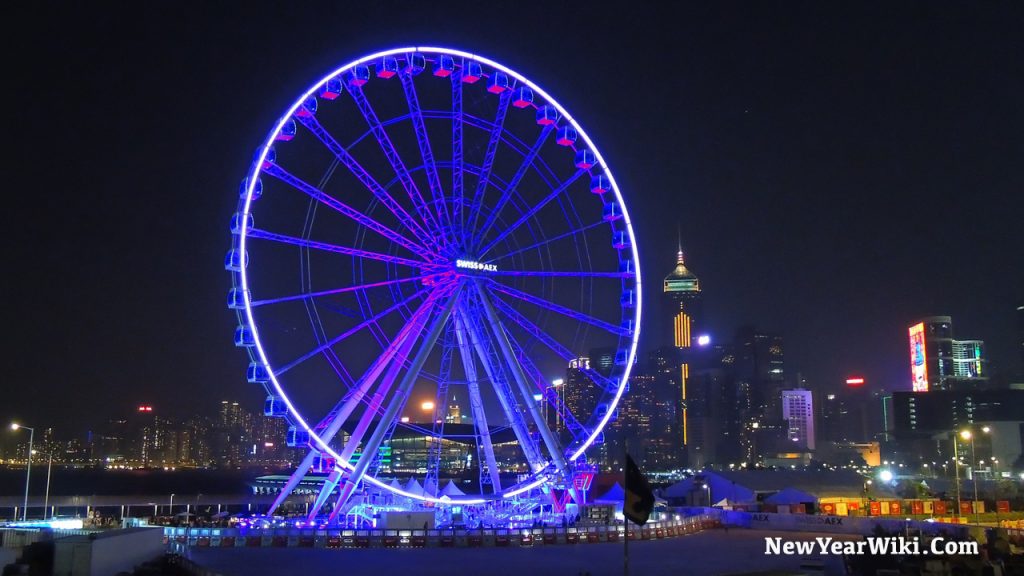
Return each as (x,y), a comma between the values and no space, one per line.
(625,519)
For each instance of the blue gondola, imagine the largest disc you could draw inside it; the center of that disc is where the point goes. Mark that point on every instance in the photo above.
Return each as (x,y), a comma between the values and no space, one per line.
(235,260)
(445,66)
(308,108)
(287,131)
(471,72)
(296,437)
(498,83)
(585,159)
(387,67)
(611,212)
(628,326)
(522,97)
(358,75)
(626,267)
(620,240)
(244,337)
(269,159)
(257,373)
(257,189)
(628,299)
(566,136)
(240,222)
(600,184)
(547,115)
(236,299)
(415,63)
(275,406)
(332,89)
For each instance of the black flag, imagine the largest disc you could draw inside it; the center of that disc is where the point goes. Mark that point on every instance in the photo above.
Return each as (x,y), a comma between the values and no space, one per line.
(639,497)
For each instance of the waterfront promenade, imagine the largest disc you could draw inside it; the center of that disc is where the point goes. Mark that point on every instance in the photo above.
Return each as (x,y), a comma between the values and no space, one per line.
(704,553)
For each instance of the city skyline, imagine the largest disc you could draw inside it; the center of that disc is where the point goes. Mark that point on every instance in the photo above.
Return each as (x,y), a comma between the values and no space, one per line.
(813,219)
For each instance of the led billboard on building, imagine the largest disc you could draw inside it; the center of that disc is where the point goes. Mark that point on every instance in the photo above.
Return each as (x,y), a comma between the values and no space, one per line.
(918,359)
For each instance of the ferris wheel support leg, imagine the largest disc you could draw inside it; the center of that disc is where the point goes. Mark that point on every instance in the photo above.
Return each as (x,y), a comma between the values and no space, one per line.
(476,406)
(396,403)
(554,450)
(508,402)
(292,482)
(405,339)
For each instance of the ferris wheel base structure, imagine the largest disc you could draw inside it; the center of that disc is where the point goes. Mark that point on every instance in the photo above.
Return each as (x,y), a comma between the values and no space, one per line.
(458,234)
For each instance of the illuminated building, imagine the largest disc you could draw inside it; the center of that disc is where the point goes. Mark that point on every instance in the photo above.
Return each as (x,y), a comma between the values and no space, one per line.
(938,362)
(798,413)
(682,290)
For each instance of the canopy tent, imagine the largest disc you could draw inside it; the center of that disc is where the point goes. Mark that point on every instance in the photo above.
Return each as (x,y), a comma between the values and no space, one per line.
(451,489)
(413,487)
(395,484)
(790,496)
(615,494)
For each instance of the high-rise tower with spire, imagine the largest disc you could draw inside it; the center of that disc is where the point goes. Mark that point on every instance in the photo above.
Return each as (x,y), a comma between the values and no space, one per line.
(682,291)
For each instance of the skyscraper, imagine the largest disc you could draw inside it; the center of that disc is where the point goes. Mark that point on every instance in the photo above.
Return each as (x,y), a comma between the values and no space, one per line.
(798,413)
(682,290)
(938,362)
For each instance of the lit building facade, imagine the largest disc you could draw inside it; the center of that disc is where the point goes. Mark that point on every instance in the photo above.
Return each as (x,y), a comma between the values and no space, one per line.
(798,413)
(681,289)
(939,362)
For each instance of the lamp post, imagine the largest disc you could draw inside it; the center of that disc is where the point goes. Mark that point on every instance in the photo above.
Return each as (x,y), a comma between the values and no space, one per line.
(956,470)
(967,435)
(28,469)
(170,508)
(708,488)
(46,499)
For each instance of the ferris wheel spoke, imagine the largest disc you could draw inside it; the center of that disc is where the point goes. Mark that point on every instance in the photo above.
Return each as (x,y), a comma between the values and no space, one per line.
(379,192)
(550,395)
(514,182)
(497,375)
(340,207)
(548,341)
(326,247)
(547,241)
(458,202)
(394,159)
(362,325)
(393,356)
(563,310)
(488,164)
(531,212)
(433,181)
(560,274)
(394,405)
(476,408)
(550,442)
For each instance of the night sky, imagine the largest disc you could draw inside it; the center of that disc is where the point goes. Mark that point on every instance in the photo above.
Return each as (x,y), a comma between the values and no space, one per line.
(836,172)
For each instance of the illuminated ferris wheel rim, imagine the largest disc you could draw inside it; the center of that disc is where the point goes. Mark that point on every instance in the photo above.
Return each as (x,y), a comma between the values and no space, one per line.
(341,463)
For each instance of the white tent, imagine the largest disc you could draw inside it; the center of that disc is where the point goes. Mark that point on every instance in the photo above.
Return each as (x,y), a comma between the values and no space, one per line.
(413,487)
(451,489)
(395,484)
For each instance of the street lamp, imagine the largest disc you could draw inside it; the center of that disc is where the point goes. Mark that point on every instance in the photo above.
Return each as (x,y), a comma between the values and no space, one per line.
(966,435)
(708,488)
(170,507)
(28,469)
(49,468)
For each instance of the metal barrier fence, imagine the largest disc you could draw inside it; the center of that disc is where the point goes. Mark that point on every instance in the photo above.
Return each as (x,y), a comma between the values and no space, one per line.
(21,537)
(180,538)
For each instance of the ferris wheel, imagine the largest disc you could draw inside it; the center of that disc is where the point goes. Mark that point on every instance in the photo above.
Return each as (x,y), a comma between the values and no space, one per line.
(425,228)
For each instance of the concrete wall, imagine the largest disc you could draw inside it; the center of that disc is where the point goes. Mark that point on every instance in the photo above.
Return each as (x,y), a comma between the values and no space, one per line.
(107,553)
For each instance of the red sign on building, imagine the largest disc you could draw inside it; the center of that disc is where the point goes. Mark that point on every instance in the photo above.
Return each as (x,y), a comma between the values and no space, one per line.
(875,508)
(895,508)
(940,508)
(1003,506)
(965,507)
(917,507)
(828,508)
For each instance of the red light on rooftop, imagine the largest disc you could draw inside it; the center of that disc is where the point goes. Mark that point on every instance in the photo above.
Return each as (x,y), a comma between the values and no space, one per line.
(854,381)
(145,408)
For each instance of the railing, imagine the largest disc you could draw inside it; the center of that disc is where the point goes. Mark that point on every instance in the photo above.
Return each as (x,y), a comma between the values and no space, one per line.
(21,537)
(181,539)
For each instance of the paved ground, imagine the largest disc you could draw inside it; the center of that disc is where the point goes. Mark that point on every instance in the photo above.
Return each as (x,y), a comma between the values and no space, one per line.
(706,553)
